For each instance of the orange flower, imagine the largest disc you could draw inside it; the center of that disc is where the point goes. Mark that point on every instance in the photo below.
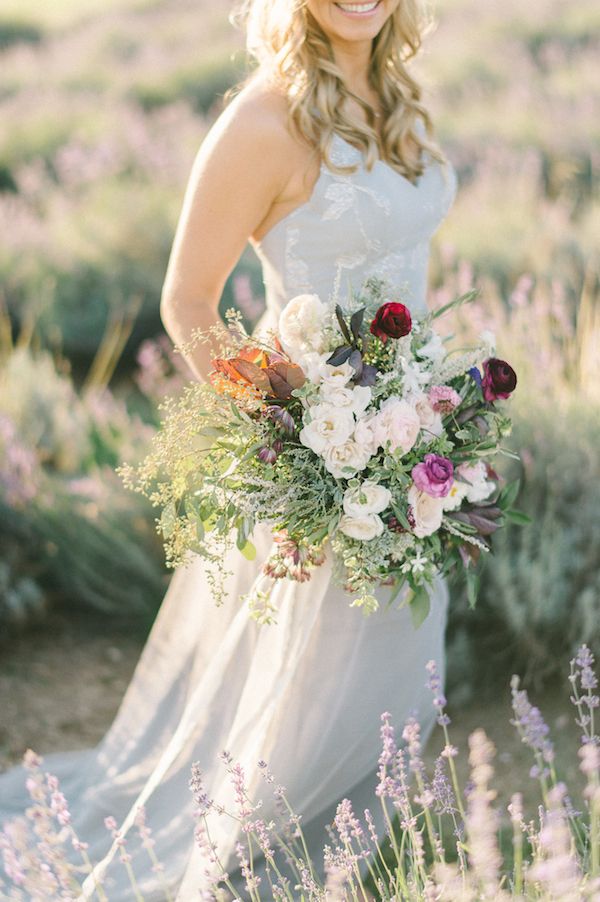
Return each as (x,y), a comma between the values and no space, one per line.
(270,376)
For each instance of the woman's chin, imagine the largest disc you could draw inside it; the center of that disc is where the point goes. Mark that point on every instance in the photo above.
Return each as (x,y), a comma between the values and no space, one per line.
(356,21)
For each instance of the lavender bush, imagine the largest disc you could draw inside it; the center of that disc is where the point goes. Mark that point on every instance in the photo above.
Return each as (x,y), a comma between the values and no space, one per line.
(540,588)
(89,198)
(442,840)
(68,530)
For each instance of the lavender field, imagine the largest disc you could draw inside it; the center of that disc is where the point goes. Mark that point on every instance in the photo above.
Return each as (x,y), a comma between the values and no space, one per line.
(103,106)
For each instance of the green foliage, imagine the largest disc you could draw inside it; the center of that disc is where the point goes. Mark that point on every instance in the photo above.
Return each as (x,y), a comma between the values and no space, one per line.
(69,532)
(17,31)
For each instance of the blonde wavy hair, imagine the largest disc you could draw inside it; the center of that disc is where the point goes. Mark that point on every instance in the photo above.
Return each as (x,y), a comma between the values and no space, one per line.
(289,45)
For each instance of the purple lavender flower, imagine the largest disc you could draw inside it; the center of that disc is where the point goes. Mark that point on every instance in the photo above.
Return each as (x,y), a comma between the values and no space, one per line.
(530,724)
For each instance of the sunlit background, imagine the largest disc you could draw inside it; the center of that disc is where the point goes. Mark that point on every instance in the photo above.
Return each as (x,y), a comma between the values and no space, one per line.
(103,104)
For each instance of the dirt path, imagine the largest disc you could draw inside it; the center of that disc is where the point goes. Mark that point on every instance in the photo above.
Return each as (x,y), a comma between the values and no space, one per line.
(61,685)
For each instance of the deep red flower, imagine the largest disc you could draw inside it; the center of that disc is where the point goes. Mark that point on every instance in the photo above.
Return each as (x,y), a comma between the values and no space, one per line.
(392,320)
(499,379)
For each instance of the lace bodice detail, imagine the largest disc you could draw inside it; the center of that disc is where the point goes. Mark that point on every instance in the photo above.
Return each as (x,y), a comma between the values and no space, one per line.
(356,225)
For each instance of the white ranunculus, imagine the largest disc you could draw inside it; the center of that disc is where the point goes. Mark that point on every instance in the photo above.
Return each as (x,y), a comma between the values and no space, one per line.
(301,323)
(364,527)
(430,420)
(427,512)
(365,433)
(367,498)
(478,487)
(397,423)
(345,461)
(455,496)
(326,426)
(338,375)
(433,350)
(356,398)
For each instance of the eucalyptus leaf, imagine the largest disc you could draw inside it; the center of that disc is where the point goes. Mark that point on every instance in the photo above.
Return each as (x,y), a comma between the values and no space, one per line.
(519,518)
(473,581)
(420,605)
(249,551)
(509,494)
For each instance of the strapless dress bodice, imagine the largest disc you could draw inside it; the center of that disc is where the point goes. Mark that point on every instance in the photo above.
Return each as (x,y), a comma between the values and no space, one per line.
(356,225)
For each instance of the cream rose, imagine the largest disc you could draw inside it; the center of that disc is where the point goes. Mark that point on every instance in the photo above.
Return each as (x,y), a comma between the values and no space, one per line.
(357,398)
(365,434)
(367,498)
(427,512)
(301,323)
(430,421)
(345,461)
(326,426)
(397,423)
(364,527)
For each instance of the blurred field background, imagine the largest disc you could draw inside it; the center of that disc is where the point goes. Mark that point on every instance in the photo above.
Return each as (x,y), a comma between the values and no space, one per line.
(103,106)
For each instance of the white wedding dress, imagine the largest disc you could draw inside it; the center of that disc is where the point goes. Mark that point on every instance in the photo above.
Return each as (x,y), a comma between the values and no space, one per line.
(306,694)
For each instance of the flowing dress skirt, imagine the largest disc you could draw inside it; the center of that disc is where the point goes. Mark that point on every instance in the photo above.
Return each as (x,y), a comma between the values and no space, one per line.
(304,695)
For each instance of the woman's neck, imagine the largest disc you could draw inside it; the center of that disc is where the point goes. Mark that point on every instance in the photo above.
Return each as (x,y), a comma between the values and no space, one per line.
(353,60)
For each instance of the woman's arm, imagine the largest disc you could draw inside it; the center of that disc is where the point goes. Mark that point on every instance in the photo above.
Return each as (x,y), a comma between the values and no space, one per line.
(240,172)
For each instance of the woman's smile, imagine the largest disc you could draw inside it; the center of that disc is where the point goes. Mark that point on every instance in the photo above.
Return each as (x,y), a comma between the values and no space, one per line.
(358,10)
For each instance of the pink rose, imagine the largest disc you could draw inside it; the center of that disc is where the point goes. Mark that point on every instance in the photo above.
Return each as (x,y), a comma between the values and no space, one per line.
(434,475)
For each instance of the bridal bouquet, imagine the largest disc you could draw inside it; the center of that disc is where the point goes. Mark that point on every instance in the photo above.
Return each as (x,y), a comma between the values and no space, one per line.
(357,428)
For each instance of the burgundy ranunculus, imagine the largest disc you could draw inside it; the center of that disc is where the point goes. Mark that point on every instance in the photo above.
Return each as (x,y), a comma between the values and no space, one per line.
(392,320)
(499,379)
(434,475)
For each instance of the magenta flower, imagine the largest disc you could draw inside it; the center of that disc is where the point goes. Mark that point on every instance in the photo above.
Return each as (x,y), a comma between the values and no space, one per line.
(499,379)
(434,475)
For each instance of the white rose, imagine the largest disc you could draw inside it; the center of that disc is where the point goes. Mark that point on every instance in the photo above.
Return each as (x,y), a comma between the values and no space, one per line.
(301,323)
(344,461)
(455,496)
(367,498)
(325,426)
(364,527)
(357,398)
(430,420)
(427,511)
(365,434)
(478,487)
(397,423)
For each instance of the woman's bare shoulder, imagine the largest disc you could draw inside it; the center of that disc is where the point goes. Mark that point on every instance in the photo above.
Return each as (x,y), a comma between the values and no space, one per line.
(257,121)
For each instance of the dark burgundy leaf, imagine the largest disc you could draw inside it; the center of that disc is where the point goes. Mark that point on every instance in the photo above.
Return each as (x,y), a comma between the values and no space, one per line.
(368,375)
(339,356)
(356,323)
(356,362)
(340,318)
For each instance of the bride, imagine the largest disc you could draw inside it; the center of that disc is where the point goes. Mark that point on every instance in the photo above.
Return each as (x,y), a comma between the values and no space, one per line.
(325,161)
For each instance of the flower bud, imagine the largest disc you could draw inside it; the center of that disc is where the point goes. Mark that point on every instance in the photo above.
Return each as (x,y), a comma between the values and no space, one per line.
(267,455)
